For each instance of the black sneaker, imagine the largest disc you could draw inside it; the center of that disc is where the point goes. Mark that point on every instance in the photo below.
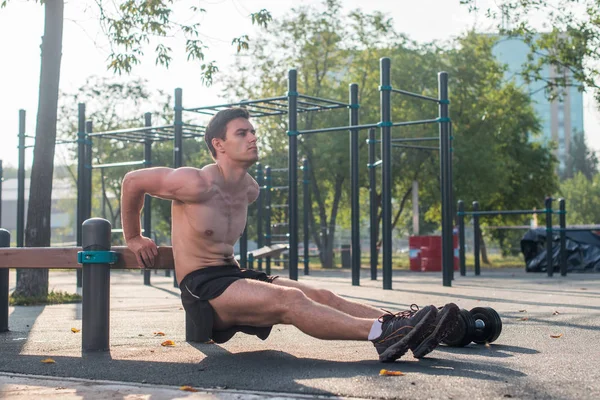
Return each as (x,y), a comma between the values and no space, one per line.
(403,330)
(445,322)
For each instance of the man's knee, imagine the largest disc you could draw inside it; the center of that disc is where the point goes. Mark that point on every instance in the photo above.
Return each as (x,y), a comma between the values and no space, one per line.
(324,296)
(288,301)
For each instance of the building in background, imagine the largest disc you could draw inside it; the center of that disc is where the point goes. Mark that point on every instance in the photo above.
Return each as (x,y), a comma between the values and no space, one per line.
(560,118)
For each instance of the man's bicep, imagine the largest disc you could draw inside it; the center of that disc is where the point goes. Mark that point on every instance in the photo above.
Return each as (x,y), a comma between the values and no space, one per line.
(180,184)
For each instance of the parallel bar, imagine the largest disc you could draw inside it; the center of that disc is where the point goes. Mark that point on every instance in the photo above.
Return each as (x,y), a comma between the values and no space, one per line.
(446,181)
(119,164)
(305,212)
(563,234)
(260,180)
(423,139)
(418,96)
(143,130)
(268,212)
(410,146)
(386,171)
(303,96)
(241,103)
(81,163)
(476,235)
(178,145)
(461,238)
(422,122)
(506,212)
(147,198)
(293,172)
(548,204)
(354,187)
(338,129)
(21,182)
(373,229)
(4,242)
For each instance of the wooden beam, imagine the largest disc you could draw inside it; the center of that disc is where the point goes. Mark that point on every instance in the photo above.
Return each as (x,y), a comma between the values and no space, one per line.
(66,258)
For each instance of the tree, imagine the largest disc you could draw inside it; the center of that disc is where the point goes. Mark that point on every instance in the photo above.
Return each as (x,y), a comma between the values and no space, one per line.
(580,159)
(568,40)
(130,26)
(582,199)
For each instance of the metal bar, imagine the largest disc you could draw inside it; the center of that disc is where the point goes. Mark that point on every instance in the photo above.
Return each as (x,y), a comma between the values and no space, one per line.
(147,198)
(95,316)
(293,172)
(268,179)
(303,96)
(244,248)
(120,164)
(548,204)
(386,171)
(373,206)
(418,96)
(505,212)
(269,100)
(423,139)
(282,188)
(338,128)
(81,162)
(354,187)
(409,146)
(177,148)
(4,272)
(450,200)
(563,237)
(476,234)
(260,180)
(1,180)
(21,183)
(422,122)
(279,170)
(461,238)
(446,181)
(280,206)
(131,130)
(305,211)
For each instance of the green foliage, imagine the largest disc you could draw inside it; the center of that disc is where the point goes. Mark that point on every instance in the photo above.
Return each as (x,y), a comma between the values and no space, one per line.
(580,159)
(58,297)
(569,39)
(582,199)
(132,24)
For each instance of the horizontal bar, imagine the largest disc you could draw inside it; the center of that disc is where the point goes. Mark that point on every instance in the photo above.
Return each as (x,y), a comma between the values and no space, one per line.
(421,122)
(506,212)
(121,164)
(339,103)
(279,206)
(423,139)
(418,96)
(66,258)
(576,229)
(129,130)
(246,102)
(339,128)
(279,169)
(279,187)
(410,146)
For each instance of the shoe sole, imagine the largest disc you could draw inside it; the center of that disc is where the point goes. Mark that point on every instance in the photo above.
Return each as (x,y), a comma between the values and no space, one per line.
(416,334)
(447,323)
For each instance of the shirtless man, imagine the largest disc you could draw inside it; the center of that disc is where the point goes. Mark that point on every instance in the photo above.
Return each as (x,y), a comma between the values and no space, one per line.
(209,209)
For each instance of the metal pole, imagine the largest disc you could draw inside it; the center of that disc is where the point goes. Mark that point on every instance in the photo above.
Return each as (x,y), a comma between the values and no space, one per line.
(244,248)
(354,189)
(305,212)
(81,196)
(548,203)
(269,182)
(147,198)
(259,211)
(386,170)
(178,142)
(373,205)
(293,172)
(4,242)
(563,237)
(461,237)
(95,318)
(89,128)
(21,183)
(476,234)
(1,180)
(446,190)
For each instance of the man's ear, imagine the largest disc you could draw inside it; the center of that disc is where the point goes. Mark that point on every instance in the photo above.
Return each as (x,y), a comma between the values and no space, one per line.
(218,145)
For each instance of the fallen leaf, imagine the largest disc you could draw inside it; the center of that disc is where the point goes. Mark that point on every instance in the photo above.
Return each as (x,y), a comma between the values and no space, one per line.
(151,351)
(168,343)
(188,389)
(390,373)
(583,288)
(487,345)
(48,361)
(210,342)
(555,313)
(524,319)
(522,310)
(181,308)
(75,330)
(159,334)
(556,336)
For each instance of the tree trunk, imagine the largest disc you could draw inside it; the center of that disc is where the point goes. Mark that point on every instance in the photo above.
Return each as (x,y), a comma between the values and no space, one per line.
(34,282)
(483,249)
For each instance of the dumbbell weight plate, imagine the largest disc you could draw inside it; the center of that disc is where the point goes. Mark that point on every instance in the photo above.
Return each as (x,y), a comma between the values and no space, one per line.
(464,332)
(492,325)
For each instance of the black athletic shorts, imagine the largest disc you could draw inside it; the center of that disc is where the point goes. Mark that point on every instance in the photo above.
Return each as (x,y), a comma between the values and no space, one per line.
(208,283)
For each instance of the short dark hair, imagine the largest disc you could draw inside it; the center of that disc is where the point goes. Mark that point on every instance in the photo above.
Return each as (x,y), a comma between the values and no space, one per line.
(217,126)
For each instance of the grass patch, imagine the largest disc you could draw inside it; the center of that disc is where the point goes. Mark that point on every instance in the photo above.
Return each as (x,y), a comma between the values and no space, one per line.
(53,297)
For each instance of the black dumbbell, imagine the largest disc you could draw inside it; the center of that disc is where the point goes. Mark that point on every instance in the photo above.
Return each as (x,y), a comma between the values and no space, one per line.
(480,325)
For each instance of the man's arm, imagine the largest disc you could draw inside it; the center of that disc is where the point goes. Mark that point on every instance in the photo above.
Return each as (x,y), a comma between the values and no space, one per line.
(253,190)
(186,185)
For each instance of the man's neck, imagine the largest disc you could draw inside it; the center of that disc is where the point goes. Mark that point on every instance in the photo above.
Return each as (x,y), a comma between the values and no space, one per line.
(232,173)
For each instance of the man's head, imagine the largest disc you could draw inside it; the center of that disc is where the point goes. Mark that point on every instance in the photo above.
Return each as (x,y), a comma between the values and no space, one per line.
(229,133)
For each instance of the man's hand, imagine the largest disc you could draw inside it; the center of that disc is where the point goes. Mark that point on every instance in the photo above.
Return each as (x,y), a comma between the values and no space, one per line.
(145,251)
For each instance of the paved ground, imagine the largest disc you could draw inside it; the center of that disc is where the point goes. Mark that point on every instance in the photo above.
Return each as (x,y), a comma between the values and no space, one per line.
(525,362)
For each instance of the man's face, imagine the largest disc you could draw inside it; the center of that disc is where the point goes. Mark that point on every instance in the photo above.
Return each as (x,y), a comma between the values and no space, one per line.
(240,141)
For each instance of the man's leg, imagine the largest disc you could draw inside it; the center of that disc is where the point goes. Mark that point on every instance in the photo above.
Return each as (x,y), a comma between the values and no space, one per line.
(255,303)
(328,298)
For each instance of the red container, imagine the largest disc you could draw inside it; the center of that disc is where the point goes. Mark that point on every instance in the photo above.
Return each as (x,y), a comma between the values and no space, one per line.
(425,253)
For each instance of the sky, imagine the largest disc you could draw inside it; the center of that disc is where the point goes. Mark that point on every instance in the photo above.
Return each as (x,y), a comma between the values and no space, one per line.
(85,51)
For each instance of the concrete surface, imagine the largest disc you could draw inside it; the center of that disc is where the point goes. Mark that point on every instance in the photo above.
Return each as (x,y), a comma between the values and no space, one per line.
(525,361)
